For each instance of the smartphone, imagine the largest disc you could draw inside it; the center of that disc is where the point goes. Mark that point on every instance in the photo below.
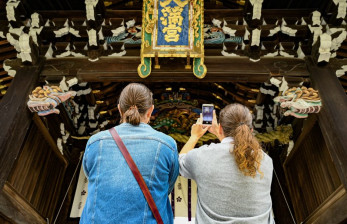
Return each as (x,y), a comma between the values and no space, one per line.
(207,114)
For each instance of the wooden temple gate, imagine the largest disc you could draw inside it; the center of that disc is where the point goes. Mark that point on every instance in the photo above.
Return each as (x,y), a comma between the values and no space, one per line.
(39,155)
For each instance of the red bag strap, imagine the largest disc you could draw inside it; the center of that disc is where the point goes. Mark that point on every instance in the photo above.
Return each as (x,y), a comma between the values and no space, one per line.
(137,175)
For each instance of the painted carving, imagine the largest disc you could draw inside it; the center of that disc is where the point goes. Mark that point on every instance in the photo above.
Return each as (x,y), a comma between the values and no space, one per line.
(130,35)
(299,102)
(45,100)
(216,35)
(213,34)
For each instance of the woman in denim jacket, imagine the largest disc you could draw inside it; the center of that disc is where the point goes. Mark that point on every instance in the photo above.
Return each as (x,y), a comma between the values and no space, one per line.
(114,196)
(233,176)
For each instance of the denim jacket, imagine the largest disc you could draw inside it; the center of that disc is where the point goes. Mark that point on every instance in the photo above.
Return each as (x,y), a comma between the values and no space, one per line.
(114,195)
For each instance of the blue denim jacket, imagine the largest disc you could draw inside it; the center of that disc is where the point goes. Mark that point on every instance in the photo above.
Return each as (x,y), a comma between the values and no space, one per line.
(114,196)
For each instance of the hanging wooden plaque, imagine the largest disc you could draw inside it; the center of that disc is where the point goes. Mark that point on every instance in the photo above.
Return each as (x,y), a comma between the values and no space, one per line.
(172,28)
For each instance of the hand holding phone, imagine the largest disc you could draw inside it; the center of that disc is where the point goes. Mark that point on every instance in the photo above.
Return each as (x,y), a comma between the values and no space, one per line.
(214,129)
(198,129)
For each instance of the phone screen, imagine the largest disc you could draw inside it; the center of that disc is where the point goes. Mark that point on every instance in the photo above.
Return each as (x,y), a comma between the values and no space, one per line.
(207,114)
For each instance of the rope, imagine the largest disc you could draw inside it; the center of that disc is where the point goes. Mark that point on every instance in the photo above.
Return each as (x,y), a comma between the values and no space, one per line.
(73,177)
(290,211)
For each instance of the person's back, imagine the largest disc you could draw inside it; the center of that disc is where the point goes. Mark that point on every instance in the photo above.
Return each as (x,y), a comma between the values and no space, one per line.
(226,195)
(114,195)
(234,176)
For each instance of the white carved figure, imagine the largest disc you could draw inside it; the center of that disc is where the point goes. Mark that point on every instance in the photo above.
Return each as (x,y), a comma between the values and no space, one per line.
(66,29)
(258,125)
(13,41)
(271,54)
(92,37)
(11,72)
(34,32)
(216,22)
(317,31)
(275,81)
(274,31)
(129,24)
(255,37)
(62,31)
(257,4)
(17,31)
(324,48)
(316,18)
(74,32)
(228,30)
(336,42)
(90,5)
(342,71)
(35,20)
(260,112)
(118,31)
(10,6)
(341,11)
(267,91)
(118,54)
(287,30)
(284,85)
(25,49)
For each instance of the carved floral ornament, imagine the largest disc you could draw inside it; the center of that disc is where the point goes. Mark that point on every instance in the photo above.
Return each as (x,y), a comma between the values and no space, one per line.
(172,28)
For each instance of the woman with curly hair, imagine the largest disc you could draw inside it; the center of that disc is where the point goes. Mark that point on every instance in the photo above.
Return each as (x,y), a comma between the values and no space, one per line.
(233,176)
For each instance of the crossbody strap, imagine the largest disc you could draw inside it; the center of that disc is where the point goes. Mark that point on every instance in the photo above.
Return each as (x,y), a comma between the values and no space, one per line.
(137,175)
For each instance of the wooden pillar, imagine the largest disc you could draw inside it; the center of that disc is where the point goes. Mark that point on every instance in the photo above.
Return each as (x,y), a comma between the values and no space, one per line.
(15,120)
(332,118)
(333,122)
(15,117)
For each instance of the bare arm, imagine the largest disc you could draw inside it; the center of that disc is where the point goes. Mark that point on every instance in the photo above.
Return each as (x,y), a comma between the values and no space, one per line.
(198,130)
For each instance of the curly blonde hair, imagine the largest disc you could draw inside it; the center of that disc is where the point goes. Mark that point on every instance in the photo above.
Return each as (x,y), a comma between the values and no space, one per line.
(236,121)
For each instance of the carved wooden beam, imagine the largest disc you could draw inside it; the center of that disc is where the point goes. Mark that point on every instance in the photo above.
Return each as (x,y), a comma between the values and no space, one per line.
(221,69)
(209,13)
